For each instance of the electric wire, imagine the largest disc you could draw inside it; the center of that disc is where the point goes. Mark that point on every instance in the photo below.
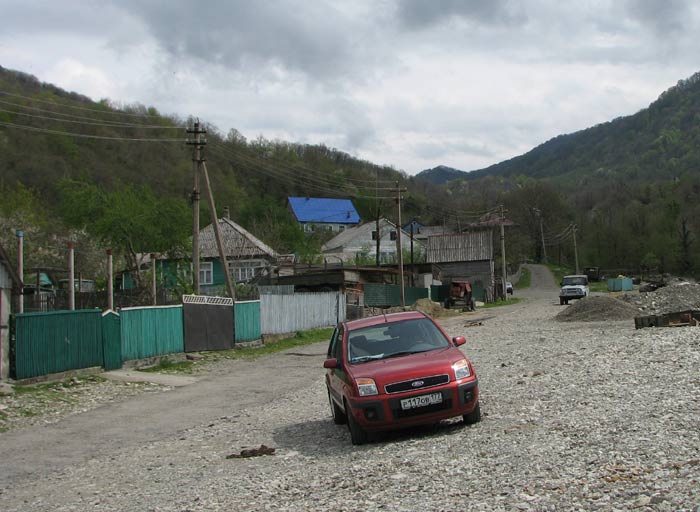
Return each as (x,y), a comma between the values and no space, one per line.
(88,109)
(72,116)
(322,184)
(105,124)
(302,167)
(87,136)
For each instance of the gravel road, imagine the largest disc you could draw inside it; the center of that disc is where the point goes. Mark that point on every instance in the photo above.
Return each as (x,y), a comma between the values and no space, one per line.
(577,416)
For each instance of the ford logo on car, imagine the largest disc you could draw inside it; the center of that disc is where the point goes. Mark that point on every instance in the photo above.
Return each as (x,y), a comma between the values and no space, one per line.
(417,383)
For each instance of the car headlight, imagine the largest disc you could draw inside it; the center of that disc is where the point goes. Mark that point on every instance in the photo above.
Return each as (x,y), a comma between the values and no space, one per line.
(461,369)
(366,387)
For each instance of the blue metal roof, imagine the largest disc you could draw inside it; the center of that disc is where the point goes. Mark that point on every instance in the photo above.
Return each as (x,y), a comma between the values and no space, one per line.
(314,209)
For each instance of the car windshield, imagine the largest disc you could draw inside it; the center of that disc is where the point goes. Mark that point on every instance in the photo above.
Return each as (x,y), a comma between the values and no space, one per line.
(575,280)
(394,339)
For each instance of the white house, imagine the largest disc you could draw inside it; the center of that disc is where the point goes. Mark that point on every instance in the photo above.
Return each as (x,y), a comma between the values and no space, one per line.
(361,241)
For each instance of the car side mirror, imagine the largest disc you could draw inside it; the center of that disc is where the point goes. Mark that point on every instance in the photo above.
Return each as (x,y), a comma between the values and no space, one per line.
(459,340)
(331,363)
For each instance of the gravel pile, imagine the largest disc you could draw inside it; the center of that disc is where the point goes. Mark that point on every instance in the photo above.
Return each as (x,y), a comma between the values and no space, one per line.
(596,309)
(669,299)
(577,416)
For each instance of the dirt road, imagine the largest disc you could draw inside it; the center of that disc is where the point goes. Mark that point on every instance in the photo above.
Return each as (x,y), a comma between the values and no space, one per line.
(151,417)
(577,416)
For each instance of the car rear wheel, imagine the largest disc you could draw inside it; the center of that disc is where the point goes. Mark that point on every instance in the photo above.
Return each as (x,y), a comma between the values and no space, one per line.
(357,435)
(473,417)
(339,417)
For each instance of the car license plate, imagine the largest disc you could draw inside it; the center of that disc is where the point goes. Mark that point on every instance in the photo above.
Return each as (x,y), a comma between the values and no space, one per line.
(421,401)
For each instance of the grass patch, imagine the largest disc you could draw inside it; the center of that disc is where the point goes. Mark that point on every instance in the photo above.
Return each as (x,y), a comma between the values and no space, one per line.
(52,389)
(299,339)
(166,365)
(598,286)
(525,279)
(559,272)
(498,303)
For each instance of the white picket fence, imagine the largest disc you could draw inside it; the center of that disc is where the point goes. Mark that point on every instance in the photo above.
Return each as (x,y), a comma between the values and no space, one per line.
(301,311)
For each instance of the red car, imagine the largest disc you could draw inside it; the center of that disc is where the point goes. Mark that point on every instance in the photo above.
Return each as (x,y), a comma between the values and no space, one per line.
(398,370)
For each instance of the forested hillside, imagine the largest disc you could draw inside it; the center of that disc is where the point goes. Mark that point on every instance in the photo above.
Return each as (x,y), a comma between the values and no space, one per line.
(120,176)
(632,185)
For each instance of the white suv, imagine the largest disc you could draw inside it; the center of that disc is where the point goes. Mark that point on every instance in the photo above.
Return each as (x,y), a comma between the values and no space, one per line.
(573,287)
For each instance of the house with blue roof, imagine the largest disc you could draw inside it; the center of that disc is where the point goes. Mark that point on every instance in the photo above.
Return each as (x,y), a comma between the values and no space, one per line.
(324,214)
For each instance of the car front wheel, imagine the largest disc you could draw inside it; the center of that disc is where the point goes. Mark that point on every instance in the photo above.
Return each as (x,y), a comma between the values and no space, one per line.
(338,414)
(357,435)
(473,417)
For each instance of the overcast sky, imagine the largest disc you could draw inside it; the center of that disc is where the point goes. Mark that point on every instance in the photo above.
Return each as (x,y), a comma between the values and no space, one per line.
(413,84)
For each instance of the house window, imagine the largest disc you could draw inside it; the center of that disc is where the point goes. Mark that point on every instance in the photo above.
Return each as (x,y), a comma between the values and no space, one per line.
(244,271)
(374,235)
(341,227)
(392,235)
(206,272)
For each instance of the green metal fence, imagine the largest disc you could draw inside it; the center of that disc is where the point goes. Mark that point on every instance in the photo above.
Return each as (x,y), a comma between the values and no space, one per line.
(111,340)
(57,342)
(247,320)
(151,331)
(381,295)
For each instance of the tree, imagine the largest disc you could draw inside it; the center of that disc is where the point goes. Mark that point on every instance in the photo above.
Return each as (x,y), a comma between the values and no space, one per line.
(131,220)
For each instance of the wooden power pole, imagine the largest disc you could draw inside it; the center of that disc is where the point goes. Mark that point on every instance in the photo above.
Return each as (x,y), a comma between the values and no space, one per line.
(196,160)
(398,244)
(217,234)
(503,252)
(575,248)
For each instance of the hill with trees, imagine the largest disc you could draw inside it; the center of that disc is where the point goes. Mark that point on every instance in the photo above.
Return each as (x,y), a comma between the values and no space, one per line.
(120,176)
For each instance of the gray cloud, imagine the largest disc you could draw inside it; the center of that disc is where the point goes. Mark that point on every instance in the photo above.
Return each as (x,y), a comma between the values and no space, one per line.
(421,13)
(664,16)
(410,83)
(273,38)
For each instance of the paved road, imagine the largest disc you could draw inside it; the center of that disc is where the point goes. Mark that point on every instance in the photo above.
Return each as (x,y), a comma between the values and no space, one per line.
(114,427)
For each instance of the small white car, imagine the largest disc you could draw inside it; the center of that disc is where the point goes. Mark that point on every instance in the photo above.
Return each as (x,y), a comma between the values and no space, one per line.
(573,287)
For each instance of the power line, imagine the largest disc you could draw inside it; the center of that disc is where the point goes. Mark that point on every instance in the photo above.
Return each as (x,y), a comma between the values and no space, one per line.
(86,136)
(301,166)
(107,124)
(75,107)
(71,116)
(314,182)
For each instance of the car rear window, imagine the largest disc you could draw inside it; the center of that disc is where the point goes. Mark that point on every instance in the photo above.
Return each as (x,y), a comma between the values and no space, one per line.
(393,339)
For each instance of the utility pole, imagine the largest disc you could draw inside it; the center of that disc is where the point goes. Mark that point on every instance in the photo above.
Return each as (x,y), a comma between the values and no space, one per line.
(71,276)
(376,204)
(379,238)
(398,244)
(153,279)
(503,252)
(196,160)
(544,248)
(20,270)
(575,247)
(217,233)
(110,281)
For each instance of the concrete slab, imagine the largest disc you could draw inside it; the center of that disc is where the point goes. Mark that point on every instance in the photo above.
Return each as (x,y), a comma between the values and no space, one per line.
(156,378)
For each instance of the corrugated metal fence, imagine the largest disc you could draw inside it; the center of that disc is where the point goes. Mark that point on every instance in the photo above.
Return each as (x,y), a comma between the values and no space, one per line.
(151,331)
(381,295)
(289,313)
(247,320)
(57,342)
